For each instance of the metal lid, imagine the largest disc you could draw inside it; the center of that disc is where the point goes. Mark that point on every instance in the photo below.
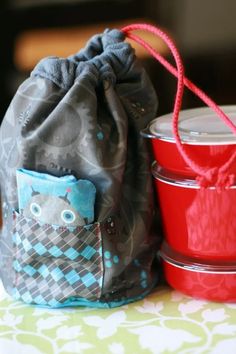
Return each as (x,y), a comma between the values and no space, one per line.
(200,126)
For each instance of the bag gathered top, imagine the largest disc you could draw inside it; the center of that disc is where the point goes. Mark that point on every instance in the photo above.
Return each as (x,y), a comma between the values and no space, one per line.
(76,188)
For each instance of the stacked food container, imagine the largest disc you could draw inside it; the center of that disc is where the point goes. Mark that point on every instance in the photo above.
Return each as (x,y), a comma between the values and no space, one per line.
(199,248)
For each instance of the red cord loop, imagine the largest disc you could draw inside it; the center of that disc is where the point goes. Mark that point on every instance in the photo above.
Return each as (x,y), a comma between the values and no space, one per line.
(206,177)
(214,178)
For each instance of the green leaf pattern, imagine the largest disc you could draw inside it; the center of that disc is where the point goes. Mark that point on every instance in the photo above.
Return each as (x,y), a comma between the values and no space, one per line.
(166,322)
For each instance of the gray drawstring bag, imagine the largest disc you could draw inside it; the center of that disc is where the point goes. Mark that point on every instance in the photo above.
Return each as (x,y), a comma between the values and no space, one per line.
(76,187)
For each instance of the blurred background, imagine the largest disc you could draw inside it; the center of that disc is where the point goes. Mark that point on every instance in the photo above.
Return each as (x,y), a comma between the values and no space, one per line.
(204,31)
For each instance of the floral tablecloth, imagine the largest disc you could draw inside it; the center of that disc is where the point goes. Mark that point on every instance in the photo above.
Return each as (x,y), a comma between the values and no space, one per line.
(165,322)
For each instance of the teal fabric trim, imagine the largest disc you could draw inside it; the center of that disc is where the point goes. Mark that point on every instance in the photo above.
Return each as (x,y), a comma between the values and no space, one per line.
(98,304)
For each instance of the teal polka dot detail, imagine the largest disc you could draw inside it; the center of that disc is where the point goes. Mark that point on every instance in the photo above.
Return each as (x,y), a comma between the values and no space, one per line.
(108,264)
(100,135)
(116,259)
(107,254)
(110,259)
(143,274)
(136,262)
(144,284)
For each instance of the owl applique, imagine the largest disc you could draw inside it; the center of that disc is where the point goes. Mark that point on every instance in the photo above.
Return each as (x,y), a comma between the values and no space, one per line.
(52,209)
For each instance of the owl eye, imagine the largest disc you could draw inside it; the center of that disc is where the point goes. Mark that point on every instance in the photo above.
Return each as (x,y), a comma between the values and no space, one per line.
(35,209)
(68,216)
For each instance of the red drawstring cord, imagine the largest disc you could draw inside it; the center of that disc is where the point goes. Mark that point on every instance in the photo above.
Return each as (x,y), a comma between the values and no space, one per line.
(206,177)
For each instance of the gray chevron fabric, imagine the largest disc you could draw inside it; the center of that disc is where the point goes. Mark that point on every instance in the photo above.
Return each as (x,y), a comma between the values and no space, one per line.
(82,116)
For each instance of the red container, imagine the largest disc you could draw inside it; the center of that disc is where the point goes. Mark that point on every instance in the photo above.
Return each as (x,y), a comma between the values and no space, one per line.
(210,142)
(197,222)
(209,281)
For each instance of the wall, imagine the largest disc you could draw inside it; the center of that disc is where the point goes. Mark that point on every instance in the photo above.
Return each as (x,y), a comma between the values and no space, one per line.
(199,25)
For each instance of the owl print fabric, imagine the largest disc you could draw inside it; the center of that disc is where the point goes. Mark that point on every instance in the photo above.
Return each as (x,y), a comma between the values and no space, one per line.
(63,201)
